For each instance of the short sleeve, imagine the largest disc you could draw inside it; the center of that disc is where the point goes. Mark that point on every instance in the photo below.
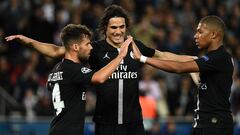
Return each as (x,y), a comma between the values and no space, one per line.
(146,51)
(83,75)
(209,63)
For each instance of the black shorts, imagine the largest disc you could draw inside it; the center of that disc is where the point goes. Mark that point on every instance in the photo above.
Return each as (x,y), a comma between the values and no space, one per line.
(212,131)
(123,129)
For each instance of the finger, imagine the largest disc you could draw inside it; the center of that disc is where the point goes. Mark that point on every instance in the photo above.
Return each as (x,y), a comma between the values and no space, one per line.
(134,46)
(9,38)
(128,41)
(129,36)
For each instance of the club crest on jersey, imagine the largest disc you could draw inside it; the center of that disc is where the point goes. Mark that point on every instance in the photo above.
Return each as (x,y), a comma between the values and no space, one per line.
(131,54)
(106,56)
(206,58)
(85,70)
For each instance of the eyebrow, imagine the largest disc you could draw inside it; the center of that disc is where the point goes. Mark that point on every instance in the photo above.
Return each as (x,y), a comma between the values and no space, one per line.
(117,26)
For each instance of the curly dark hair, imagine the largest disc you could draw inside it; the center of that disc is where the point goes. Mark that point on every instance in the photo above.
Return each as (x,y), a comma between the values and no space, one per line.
(110,12)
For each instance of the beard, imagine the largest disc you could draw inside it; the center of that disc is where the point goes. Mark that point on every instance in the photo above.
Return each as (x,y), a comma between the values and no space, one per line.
(84,59)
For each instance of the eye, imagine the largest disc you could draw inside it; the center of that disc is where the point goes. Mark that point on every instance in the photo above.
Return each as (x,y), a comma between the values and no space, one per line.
(122,26)
(113,27)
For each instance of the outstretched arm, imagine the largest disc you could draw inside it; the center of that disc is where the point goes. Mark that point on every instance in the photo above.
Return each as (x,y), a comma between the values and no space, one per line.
(104,73)
(47,49)
(173,57)
(179,58)
(166,65)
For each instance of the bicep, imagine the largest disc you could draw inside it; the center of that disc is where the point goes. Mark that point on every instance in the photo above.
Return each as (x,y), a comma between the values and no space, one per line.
(190,66)
(49,50)
(174,66)
(59,51)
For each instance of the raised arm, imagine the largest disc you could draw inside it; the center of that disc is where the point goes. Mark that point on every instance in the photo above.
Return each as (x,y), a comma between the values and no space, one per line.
(104,73)
(46,49)
(173,57)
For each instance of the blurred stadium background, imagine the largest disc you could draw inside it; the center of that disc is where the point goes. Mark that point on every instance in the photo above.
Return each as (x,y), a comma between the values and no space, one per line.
(167,99)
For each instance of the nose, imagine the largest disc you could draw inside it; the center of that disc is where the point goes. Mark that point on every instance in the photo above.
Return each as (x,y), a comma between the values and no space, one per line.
(118,30)
(195,36)
(90,47)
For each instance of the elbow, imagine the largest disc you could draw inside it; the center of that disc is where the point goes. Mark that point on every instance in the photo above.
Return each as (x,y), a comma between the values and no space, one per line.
(98,80)
(179,71)
(55,55)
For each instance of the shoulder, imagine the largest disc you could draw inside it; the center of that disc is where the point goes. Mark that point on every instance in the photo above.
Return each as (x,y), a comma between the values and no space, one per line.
(221,54)
(138,42)
(97,44)
(71,66)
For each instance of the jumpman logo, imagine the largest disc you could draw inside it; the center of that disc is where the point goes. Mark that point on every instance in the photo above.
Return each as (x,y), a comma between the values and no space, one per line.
(106,56)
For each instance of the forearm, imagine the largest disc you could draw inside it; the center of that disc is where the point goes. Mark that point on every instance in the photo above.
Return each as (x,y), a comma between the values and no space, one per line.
(173,57)
(46,49)
(104,73)
(173,66)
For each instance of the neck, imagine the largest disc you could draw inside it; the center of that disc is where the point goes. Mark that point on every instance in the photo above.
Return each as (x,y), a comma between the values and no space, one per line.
(72,56)
(214,46)
(112,44)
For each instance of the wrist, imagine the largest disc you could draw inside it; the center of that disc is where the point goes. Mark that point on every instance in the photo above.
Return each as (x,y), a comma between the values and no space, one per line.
(143,59)
(120,57)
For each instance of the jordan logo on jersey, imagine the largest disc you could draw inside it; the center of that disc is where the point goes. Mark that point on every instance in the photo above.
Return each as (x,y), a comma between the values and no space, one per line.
(203,86)
(106,56)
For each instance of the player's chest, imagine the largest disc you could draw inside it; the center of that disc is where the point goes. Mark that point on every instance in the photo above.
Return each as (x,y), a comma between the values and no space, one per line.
(127,64)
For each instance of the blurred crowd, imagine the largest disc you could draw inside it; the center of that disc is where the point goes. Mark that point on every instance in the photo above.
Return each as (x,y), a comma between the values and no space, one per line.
(167,25)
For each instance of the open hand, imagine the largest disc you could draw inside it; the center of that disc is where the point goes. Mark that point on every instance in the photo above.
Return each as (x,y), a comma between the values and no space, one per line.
(136,53)
(124,46)
(20,38)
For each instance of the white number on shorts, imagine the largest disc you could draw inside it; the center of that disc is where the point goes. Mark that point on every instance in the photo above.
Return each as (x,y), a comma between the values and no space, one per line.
(56,99)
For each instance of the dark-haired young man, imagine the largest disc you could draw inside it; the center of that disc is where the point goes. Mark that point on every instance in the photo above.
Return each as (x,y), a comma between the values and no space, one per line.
(212,115)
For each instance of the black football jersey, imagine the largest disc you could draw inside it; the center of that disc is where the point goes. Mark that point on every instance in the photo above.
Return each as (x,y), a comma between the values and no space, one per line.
(68,82)
(118,98)
(213,106)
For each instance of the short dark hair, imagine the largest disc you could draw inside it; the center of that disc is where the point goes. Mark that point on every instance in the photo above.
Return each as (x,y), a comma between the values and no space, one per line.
(110,12)
(214,22)
(73,32)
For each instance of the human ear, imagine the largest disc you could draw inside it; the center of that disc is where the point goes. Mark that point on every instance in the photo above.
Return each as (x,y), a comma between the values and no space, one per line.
(213,35)
(75,47)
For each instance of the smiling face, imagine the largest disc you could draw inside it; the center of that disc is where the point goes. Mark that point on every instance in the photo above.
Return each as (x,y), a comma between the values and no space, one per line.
(116,30)
(203,36)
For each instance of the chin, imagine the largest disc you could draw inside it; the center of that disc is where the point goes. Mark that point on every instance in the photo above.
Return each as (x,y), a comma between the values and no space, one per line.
(118,41)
